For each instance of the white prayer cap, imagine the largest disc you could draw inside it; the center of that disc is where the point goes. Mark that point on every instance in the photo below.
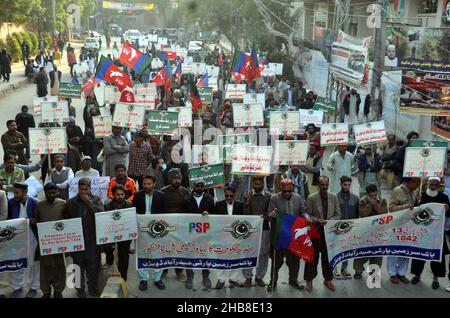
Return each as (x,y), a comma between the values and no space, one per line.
(435,179)
(391,46)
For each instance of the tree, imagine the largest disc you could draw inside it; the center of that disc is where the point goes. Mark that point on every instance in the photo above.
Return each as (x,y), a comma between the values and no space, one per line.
(18,11)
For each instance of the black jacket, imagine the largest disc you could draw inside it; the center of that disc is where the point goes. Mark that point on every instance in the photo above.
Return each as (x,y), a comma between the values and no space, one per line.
(25,120)
(207,204)
(221,208)
(111,206)
(52,77)
(158,202)
(346,103)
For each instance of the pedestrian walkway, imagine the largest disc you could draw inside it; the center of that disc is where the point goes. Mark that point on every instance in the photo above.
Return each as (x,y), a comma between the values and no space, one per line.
(18,79)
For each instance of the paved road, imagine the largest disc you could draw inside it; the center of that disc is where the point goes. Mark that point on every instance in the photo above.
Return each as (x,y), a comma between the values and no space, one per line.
(10,105)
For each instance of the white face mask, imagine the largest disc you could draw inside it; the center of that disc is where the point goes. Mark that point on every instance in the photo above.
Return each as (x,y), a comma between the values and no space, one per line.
(432,194)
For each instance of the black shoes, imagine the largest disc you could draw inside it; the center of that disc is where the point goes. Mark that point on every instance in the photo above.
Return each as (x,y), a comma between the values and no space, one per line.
(81,293)
(143,285)
(160,285)
(296,285)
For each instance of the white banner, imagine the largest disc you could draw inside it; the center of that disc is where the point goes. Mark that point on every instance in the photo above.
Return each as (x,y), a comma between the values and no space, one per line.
(255,99)
(235,91)
(209,154)
(129,116)
(45,141)
(251,160)
(334,134)
(184,116)
(213,71)
(281,123)
(14,246)
(311,117)
(371,133)
(288,152)
(59,237)
(248,115)
(99,187)
(116,226)
(55,112)
(37,102)
(102,126)
(424,162)
(198,68)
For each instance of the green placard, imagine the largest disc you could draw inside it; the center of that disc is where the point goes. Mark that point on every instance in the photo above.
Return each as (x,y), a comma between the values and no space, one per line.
(162,122)
(326,105)
(428,144)
(206,94)
(212,174)
(228,141)
(69,90)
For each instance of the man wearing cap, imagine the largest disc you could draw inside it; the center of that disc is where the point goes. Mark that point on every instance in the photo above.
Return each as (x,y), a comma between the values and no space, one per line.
(141,156)
(86,170)
(53,268)
(23,206)
(115,151)
(60,175)
(84,206)
(292,203)
(175,203)
(433,195)
(199,202)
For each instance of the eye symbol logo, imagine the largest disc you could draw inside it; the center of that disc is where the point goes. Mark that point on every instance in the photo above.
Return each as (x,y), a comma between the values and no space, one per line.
(8,233)
(342,227)
(424,217)
(240,230)
(60,226)
(158,229)
(116,216)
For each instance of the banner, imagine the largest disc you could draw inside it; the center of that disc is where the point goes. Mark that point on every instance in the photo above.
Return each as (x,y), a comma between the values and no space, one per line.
(334,134)
(370,133)
(116,226)
(112,94)
(45,141)
(129,116)
(212,174)
(212,71)
(59,237)
(416,234)
(55,112)
(69,90)
(288,152)
(37,101)
(272,70)
(325,105)
(34,187)
(425,93)
(227,143)
(281,122)
(197,242)
(99,187)
(162,122)
(14,245)
(198,68)
(148,89)
(102,126)
(128,6)
(206,94)
(421,48)
(186,68)
(255,99)
(349,57)
(148,100)
(251,160)
(425,159)
(248,115)
(440,126)
(235,91)
(311,117)
(184,116)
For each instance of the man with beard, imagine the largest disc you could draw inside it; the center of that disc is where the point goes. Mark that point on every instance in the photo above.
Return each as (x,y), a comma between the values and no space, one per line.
(432,195)
(150,201)
(53,268)
(123,179)
(14,140)
(176,194)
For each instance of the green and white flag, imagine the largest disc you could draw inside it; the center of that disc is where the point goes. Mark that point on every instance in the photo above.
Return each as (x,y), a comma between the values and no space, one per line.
(325,105)
(69,90)
(212,174)
(162,122)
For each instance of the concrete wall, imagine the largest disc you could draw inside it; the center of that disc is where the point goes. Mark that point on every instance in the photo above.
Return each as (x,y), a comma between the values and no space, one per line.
(8,29)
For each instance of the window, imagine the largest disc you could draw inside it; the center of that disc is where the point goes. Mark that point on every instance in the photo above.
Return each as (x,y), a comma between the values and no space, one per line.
(428,6)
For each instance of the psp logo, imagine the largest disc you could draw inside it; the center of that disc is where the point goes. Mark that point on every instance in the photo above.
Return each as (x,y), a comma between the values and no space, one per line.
(201,227)
(383,220)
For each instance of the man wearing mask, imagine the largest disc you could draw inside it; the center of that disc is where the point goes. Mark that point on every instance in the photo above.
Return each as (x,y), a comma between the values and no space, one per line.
(289,202)
(403,197)
(150,201)
(23,206)
(370,205)
(60,175)
(433,195)
(349,204)
(257,203)
(199,202)
(176,195)
(123,179)
(86,169)
(14,140)
(84,206)
(119,202)
(321,206)
(229,207)
(341,163)
(156,169)
(53,267)
(115,150)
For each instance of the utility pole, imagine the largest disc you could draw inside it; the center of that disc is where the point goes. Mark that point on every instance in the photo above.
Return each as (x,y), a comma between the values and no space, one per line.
(378,64)
(54,13)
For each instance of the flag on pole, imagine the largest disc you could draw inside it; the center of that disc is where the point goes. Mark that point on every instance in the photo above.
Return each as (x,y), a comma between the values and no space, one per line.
(134,59)
(196,101)
(163,78)
(178,74)
(109,72)
(203,81)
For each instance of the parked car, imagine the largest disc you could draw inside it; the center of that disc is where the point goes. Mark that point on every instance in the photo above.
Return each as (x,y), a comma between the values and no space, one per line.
(132,35)
(92,43)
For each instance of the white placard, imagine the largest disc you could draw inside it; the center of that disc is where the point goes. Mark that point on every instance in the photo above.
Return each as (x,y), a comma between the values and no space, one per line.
(311,117)
(248,115)
(116,226)
(424,162)
(59,237)
(55,112)
(163,41)
(235,91)
(334,134)
(45,141)
(255,98)
(112,94)
(99,187)
(213,71)
(129,116)
(184,116)
(148,89)
(37,101)
(198,68)
(210,153)
(34,186)
(290,152)
(186,68)
(281,123)
(102,126)
(251,160)
(370,133)
(152,38)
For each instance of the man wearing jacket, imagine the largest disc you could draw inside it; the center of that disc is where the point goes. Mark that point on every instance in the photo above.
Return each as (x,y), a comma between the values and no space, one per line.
(149,201)
(199,202)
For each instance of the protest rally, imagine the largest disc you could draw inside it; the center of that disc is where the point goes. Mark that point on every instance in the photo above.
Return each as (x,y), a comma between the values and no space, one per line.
(225,149)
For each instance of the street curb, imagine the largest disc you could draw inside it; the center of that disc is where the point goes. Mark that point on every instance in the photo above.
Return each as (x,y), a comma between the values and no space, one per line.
(12,87)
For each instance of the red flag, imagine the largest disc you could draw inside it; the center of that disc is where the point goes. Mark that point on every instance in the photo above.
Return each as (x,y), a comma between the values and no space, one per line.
(107,71)
(220,58)
(134,58)
(163,78)
(238,77)
(127,97)
(196,101)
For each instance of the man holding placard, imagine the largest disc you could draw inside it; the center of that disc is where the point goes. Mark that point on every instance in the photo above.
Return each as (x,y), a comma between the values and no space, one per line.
(53,268)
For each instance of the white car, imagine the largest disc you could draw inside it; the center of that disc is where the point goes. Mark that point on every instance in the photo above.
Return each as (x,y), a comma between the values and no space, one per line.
(195,46)
(132,35)
(91,43)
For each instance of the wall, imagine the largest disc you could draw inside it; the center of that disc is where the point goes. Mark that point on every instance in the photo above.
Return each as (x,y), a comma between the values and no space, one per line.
(8,29)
